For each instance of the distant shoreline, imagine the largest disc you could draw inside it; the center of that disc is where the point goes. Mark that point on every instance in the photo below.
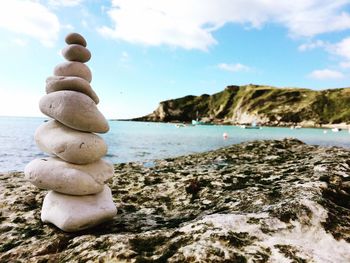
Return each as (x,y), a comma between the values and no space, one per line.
(343,126)
(263,105)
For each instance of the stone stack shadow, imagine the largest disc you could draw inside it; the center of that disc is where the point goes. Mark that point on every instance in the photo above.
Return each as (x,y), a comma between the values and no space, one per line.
(74,173)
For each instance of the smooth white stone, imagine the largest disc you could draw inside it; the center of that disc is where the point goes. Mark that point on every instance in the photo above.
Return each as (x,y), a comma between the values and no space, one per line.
(70,145)
(74,213)
(56,83)
(75,110)
(73,68)
(55,174)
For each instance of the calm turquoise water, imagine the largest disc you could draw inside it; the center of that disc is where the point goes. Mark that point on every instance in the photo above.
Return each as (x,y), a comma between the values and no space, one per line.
(139,141)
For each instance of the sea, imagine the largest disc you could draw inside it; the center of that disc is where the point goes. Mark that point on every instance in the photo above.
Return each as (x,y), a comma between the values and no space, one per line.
(145,142)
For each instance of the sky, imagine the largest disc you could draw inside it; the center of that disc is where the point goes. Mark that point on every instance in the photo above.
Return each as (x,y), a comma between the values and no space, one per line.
(147,51)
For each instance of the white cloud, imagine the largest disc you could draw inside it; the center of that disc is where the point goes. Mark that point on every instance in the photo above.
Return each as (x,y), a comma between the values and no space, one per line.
(313,45)
(342,51)
(25,104)
(233,67)
(31,19)
(67,27)
(344,64)
(190,24)
(326,74)
(67,3)
(342,48)
(313,17)
(20,42)
(157,22)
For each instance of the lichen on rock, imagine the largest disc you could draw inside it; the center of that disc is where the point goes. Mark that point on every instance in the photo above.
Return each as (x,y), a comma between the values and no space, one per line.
(261,201)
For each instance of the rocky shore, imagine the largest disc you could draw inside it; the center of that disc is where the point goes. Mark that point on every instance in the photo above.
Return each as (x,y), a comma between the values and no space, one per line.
(262,201)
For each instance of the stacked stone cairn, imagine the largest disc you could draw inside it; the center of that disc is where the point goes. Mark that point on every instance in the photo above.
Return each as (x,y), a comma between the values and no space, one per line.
(74,173)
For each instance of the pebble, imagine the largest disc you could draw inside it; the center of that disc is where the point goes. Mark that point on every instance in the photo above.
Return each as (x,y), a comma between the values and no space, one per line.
(70,145)
(75,110)
(75,38)
(76,52)
(74,213)
(73,68)
(56,83)
(55,174)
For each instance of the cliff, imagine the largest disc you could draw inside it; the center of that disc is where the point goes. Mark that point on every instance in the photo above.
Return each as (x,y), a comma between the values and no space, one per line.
(266,201)
(262,104)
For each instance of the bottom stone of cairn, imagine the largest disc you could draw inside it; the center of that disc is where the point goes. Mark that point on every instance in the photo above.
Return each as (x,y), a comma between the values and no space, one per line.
(73,213)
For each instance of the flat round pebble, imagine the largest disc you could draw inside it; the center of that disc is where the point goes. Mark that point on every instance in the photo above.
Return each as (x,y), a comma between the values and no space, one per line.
(75,38)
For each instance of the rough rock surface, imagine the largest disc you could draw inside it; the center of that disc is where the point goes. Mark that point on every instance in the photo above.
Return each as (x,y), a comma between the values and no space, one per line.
(70,145)
(75,110)
(67,178)
(266,201)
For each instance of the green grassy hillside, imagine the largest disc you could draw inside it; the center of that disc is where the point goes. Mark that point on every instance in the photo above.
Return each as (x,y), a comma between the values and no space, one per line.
(264,104)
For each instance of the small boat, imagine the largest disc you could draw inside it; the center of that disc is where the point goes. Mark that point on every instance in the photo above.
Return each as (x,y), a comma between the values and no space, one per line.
(197,122)
(252,126)
(200,122)
(336,130)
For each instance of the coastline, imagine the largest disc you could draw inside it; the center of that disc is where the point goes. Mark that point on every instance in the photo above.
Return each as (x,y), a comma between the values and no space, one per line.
(263,200)
(306,124)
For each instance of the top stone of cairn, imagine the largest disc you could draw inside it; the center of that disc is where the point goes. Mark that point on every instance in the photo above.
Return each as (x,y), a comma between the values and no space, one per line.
(75,38)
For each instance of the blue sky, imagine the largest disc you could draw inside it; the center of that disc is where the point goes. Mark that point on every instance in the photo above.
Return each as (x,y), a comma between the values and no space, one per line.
(144,52)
